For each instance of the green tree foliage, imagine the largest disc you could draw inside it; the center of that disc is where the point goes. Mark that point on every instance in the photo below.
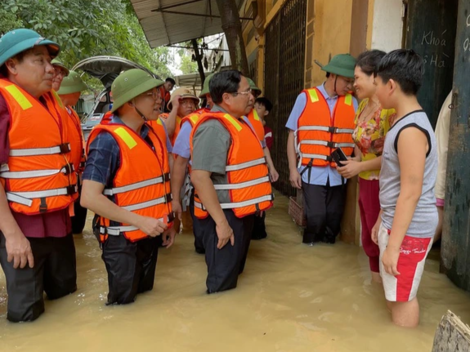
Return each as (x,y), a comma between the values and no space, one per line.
(86,28)
(187,64)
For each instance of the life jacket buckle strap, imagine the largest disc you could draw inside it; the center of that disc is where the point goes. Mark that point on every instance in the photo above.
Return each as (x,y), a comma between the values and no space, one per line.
(64,148)
(171,217)
(308,167)
(166,177)
(103,229)
(331,144)
(168,197)
(67,169)
(43,205)
(71,190)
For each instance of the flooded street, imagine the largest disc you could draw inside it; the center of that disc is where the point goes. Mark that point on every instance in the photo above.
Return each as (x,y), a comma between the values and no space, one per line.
(290,298)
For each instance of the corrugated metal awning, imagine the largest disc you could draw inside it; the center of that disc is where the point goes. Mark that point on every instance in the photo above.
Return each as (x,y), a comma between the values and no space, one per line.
(173,21)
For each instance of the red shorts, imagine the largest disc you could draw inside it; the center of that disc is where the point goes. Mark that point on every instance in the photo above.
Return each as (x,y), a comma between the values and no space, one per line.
(413,252)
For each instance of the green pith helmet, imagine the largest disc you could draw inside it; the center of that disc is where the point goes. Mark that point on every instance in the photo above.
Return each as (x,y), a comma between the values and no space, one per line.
(58,63)
(130,84)
(19,40)
(205,87)
(253,85)
(341,65)
(72,84)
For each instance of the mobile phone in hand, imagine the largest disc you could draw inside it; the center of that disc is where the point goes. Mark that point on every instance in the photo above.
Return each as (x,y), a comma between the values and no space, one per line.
(338,156)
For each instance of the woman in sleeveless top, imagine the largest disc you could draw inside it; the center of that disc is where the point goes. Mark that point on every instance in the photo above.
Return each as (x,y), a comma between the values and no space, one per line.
(372,123)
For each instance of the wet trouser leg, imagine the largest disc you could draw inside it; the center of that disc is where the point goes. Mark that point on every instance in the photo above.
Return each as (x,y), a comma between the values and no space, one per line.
(259,227)
(223,265)
(315,199)
(60,270)
(197,229)
(79,219)
(369,206)
(54,264)
(147,255)
(130,267)
(248,222)
(334,211)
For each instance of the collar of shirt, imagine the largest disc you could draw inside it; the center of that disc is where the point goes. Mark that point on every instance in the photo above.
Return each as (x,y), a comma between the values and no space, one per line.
(217,108)
(143,131)
(323,91)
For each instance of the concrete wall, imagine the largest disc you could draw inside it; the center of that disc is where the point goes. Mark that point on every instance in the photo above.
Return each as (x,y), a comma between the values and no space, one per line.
(330,30)
(328,34)
(387,25)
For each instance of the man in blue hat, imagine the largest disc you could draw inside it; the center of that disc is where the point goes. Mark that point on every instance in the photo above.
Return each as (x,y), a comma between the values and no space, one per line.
(37,180)
(321,121)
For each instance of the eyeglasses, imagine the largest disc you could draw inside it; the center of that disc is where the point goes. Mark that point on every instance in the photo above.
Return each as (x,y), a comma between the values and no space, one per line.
(188,102)
(153,94)
(247,92)
(60,72)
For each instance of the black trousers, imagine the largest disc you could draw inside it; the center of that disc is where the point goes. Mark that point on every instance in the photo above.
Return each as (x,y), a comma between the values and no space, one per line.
(224,265)
(197,228)
(79,219)
(259,227)
(130,266)
(54,272)
(248,222)
(324,207)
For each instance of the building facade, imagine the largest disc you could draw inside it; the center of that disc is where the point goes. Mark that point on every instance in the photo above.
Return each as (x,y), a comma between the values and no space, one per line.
(288,40)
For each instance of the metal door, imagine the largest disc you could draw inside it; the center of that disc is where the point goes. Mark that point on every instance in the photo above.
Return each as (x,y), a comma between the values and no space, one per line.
(284,78)
(455,250)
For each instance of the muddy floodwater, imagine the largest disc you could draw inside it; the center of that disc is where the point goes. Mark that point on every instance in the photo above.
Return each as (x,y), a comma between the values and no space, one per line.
(291,297)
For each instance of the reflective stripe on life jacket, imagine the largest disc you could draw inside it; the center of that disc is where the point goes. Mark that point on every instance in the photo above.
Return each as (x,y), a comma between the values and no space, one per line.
(142,181)
(248,184)
(257,124)
(318,134)
(39,176)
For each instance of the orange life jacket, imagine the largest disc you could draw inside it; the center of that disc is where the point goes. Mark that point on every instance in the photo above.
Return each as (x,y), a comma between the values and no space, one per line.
(76,139)
(39,176)
(159,129)
(193,117)
(107,117)
(318,134)
(177,127)
(248,185)
(257,124)
(142,182)
(164,95)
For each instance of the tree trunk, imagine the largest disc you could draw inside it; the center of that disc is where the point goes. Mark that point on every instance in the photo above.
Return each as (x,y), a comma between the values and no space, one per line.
(233,32)
(199,61)
(451,335)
